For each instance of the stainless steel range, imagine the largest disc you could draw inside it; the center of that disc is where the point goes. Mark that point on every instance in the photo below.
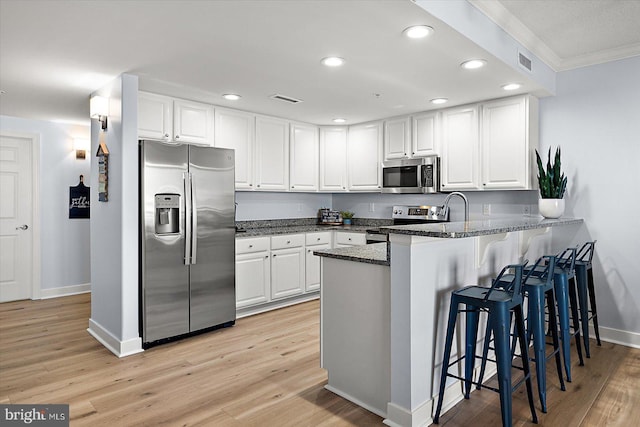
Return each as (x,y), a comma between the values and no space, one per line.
(403,215)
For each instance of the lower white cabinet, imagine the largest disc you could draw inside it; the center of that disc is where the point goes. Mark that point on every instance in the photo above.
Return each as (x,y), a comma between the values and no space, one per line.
(345,239)
(314,242)
(287,265)
(253,271)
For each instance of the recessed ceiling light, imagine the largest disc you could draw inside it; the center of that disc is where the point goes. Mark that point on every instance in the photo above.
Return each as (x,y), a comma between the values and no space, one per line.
(418,31)
(473,64)
(332,61)
(231,96)
(511,86)
(439,100)
(339,120)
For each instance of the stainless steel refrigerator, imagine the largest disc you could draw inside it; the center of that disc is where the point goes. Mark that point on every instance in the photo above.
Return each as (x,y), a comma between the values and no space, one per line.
(187,230)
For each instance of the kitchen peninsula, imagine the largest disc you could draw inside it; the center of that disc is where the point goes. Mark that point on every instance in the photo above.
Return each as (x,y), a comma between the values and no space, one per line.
(383,320)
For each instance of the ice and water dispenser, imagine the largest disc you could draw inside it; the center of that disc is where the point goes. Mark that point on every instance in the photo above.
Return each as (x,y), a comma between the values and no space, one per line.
(167,213)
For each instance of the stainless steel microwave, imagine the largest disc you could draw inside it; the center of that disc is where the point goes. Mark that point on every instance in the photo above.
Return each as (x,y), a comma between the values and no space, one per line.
(411,175)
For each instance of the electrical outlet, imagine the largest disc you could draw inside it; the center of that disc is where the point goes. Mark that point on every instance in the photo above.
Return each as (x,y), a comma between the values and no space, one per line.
(486,209)
(372,207)
(526,210)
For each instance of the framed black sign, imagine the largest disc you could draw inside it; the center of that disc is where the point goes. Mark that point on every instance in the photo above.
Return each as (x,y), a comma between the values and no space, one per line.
(79,200)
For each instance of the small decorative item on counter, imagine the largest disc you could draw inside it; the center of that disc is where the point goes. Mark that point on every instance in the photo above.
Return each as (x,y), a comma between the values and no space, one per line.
(553,184)
(328,216)
(346,217)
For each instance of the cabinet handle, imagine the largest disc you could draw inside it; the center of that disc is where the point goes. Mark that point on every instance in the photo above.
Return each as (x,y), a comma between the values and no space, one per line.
(177,136)
(288,241)
(343,188)
(250,246)
(166,135)
(309,250)
(266,256)
(405,154)
(258,185)
(318,239)
(274,255)
(293,186)
(349,239)
(250,185)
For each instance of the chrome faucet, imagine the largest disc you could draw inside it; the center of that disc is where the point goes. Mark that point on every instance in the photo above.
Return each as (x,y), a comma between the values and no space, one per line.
(466,205)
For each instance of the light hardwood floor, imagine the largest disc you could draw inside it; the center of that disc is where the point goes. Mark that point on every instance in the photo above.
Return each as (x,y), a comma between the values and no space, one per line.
(262,372)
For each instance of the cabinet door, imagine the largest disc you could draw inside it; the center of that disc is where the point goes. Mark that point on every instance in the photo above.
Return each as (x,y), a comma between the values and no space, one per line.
(364,145)
(333,159)
(312,267)
(303,168)
(235,129)
(287,272)
(272,154)
(253,274)
(193,122)
(344,239)
(397,138)
(505,144)
(460,149)
(424,135)
(155,116)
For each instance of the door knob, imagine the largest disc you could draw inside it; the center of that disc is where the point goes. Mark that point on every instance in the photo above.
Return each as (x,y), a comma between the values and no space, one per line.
(23,227)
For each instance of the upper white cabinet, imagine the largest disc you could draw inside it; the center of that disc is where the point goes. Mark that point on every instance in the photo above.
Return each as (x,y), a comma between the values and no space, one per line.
(333,158)
(155,116)
(460,145)
(424,135)
(167,119)
(397,138)
(509,136)
(364,154)
(272,154)
(192,122)
(236,130)
(303,170)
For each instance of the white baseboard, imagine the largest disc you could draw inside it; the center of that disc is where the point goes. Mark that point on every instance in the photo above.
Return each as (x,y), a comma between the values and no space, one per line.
(273,305)
(65,291)
(350,398)
(114,345)
(398,416)
(616,336)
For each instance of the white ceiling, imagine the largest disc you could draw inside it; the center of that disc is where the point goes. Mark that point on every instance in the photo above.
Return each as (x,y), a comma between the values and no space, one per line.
(53,54)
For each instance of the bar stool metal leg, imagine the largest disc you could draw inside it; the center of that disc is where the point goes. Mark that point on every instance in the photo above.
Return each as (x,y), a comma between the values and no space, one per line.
(581,280)
(592,300)
(561,285)
(573,300)
(471,334)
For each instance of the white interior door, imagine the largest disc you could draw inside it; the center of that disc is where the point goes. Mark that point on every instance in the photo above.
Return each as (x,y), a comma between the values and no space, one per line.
(16,271)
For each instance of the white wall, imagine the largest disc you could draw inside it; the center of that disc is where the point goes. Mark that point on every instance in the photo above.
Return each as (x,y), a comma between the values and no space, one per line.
(595,118)
(65,251)
(269,205)
(114,225)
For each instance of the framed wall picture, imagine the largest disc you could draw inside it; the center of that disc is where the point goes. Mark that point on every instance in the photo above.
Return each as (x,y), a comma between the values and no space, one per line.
(79,200)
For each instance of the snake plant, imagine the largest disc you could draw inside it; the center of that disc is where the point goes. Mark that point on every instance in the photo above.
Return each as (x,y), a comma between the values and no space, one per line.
(552,182)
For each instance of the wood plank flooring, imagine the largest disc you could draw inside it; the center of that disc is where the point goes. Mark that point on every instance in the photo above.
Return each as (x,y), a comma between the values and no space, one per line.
(262,372)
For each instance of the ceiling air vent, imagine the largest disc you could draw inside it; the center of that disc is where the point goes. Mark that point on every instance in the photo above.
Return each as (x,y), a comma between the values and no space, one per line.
(285,98)
(524,61)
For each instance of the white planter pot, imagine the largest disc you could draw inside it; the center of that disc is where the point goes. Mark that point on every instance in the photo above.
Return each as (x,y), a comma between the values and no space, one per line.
(551,208)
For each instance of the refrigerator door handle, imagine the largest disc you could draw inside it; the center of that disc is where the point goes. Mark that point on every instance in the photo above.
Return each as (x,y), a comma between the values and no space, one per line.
(194,221)
(186,179)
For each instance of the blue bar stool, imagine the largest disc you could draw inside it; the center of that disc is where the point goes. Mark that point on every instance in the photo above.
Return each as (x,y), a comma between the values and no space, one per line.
(500,300)
(584,277)
(538,285)
(564,284)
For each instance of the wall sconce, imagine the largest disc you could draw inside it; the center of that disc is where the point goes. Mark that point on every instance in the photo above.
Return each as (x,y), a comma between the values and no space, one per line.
(99,109)
(81,146)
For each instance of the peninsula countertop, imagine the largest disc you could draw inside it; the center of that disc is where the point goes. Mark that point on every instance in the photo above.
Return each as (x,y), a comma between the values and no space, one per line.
(454,230)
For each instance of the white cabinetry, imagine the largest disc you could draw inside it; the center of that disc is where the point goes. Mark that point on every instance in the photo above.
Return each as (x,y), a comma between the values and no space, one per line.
(236,130)
(168,119)
(424,135)
(155,116)
(303,170)
(397,138)
(253,271)
(287,265)
(460,145)
(364,156)
(333,159)
(509,136)
(272,154)
(314,242)
(345,239)
(192,122)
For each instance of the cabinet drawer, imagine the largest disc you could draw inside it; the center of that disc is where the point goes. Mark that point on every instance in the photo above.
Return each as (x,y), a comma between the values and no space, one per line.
(287,241)
(256,244)
(320,238)
(350,238)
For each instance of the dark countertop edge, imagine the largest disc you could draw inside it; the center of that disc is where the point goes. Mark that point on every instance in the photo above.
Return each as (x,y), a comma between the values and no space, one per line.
(358,254)
(411,230)
(267,231)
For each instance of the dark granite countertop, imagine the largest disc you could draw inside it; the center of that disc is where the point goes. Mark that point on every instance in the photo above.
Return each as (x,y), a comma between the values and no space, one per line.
(479,228)
(376,253)
(302,225)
